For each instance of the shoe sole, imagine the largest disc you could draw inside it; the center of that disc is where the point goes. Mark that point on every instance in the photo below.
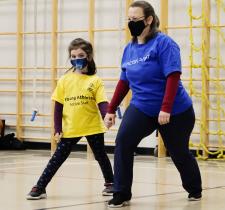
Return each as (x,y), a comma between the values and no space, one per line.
(125,203)
(107,194)
(42,196)
(194,199)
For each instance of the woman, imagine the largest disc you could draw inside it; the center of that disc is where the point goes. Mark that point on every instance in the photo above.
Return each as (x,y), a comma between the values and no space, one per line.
(79,96)
(151,68)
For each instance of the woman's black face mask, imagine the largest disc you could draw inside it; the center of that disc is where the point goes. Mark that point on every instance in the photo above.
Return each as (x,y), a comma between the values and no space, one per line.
(136,27)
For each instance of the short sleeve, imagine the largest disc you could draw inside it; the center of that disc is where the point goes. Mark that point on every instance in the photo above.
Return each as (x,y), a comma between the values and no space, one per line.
(169,56)
(100,95)
(58,94)
(123,75)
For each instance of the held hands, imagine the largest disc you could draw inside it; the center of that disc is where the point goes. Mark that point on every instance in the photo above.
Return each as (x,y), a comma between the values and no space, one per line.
(58,136)
(109,120)
(163,118)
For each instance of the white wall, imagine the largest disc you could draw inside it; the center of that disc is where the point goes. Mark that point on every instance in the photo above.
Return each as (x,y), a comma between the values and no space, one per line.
(73,15)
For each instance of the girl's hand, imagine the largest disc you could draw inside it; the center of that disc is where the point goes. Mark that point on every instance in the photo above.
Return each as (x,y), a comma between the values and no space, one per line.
(109,120)
(58,136)
(163,118)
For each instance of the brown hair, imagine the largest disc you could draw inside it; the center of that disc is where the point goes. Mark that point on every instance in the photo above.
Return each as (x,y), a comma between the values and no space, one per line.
(148,10)
(86,47)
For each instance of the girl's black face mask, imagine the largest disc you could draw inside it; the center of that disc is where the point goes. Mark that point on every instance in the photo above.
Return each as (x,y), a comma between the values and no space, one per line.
(136,27)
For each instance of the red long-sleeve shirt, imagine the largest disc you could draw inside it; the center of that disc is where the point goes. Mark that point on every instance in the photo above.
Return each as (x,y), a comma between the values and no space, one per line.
(122,89)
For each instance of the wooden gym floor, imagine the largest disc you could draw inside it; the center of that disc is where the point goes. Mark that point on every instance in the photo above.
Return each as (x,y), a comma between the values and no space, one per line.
(78,184)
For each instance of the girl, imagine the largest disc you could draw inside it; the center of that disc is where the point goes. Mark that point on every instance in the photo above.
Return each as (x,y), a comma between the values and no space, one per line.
(80,105)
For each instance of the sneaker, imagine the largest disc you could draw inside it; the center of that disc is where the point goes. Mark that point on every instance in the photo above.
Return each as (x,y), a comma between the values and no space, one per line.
(36,193)
(194,197)
(108,191)
(119,200)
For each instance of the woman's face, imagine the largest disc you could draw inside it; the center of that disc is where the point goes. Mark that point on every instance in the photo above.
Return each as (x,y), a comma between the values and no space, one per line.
(135,14)
(137,23)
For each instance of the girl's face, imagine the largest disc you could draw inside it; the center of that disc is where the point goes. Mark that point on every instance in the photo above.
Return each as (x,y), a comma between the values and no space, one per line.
(81,55)
(77,53)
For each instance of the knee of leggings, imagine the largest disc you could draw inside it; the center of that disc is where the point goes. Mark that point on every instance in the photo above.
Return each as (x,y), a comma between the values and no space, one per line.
(100,156)
(125,147)
(182,157)
(62,152)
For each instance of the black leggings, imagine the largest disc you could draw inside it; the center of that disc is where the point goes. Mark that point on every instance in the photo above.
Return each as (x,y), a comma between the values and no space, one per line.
(135,126)
(63,150)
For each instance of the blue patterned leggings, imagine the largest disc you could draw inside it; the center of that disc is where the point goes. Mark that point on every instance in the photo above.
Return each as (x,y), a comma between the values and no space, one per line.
(64,147)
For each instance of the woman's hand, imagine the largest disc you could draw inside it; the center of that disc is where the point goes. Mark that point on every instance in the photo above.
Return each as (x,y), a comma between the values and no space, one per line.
(109,120)
(58,136)
(163,118)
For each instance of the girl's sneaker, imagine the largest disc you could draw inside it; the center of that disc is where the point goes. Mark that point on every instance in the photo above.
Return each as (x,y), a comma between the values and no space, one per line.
(36,193)
(108,191)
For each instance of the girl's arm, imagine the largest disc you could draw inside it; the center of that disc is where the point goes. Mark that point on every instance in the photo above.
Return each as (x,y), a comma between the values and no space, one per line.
(102,106)
(58,117)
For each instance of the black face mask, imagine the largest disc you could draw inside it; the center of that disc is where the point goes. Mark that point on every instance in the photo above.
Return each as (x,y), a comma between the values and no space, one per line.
(136,28)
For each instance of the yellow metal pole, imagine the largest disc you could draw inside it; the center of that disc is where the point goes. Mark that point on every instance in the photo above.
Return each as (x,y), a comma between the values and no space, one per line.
(191,50)
(164,16)
(91,28)
(218,76)
(128,38)
(163,28)
(91,21)
(127,32)
(205,73)
(54,53)
(19,67)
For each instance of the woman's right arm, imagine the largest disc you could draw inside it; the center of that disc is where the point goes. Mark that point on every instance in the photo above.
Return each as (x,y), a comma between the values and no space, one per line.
(121,91)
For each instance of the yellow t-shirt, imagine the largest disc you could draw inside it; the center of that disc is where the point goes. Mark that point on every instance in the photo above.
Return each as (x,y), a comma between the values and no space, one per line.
(80,94)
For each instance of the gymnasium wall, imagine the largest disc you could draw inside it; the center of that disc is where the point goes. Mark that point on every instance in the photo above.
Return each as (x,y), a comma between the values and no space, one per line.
(187,24)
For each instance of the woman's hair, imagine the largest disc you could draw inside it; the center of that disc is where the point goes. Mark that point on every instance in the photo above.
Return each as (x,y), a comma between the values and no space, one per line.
(86,46)
(148,10)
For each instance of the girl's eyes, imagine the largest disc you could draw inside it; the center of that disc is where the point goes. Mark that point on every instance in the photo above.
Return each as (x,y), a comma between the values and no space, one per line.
(79,56)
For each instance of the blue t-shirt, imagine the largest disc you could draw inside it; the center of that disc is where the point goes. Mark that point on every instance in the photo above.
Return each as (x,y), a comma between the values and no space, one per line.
(146,67)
